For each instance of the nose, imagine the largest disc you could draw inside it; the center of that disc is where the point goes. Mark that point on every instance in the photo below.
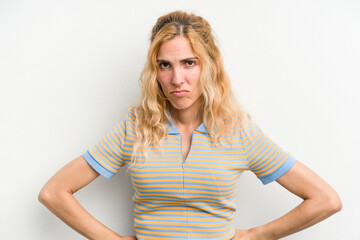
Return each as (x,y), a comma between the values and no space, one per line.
(177,76)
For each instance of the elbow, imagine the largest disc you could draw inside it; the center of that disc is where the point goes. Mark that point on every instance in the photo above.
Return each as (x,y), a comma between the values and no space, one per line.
(332,204)
(48,196)
(52,197)
(44,196)
(335,204)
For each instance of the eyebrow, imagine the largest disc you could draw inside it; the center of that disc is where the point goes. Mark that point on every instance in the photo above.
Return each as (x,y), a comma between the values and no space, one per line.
(182,60)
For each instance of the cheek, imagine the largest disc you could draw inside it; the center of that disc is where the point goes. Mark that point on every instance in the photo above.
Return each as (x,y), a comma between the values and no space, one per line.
(162,78)
(161,82)
(194,78)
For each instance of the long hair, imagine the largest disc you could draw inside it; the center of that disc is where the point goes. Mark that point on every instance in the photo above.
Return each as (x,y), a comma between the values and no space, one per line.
(219,106)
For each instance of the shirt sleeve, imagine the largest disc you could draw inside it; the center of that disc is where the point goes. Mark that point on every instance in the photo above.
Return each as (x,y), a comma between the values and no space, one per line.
(265,158)
(106,156)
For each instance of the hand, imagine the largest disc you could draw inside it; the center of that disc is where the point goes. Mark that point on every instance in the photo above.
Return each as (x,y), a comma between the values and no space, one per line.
(243,235)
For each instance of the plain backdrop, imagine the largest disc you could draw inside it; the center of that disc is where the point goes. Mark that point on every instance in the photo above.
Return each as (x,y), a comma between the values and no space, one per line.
(69,71)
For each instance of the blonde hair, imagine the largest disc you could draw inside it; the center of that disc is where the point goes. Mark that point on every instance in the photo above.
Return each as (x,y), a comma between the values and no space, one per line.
(219,106)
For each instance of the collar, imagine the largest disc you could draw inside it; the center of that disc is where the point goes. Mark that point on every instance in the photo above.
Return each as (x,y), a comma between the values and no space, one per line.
(173,130)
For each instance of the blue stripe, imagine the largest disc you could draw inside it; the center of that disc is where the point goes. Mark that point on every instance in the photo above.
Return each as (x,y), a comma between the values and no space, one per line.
(218,166)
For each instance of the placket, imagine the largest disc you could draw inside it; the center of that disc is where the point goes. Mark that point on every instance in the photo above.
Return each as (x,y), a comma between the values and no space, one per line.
(184,169)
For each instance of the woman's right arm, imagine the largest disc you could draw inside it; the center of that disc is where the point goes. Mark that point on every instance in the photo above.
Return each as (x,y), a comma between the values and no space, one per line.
(57,196)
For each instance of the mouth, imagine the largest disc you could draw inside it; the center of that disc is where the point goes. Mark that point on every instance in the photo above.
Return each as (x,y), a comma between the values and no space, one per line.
(179,93)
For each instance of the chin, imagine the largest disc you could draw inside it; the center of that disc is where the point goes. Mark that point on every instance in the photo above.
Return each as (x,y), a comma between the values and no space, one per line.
(179,106)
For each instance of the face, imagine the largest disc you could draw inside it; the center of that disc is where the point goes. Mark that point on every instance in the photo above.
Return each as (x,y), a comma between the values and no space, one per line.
(179,74)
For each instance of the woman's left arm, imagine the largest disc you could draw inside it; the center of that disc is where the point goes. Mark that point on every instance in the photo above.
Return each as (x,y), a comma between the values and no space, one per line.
(320,202)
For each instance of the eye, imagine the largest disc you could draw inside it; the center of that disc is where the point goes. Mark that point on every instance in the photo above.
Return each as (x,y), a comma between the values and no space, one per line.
(190,63)
(164,65)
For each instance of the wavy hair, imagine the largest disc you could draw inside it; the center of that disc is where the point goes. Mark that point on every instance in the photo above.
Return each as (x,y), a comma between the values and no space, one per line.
(219,106)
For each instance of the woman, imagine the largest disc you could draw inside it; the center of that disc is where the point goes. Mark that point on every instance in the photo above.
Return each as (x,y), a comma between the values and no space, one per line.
(185,145)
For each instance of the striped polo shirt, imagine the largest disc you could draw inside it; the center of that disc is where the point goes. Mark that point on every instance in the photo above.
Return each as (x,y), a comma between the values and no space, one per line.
(195,198)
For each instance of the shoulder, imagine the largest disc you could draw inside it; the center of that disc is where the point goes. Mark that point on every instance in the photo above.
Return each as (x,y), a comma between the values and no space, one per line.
(131,113)
(130,118)
(240,124)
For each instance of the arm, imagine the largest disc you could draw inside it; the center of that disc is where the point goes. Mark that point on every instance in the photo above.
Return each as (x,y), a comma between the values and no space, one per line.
(320,202)
(57,196)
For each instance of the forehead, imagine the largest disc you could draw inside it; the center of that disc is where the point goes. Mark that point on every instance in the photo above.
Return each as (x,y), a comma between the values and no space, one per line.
(178,47)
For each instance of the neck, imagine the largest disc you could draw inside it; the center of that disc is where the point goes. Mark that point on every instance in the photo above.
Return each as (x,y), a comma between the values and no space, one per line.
(189,118)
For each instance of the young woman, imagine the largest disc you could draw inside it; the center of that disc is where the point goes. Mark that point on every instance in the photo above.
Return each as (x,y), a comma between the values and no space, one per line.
(185,146)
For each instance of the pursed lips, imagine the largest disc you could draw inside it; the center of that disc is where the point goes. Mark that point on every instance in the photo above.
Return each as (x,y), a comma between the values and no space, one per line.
(179,93)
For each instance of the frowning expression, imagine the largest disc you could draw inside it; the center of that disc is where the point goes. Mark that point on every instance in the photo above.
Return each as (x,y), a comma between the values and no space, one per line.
(179,73)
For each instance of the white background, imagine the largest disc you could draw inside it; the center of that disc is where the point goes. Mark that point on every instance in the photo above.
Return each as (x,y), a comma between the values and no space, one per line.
(69,70)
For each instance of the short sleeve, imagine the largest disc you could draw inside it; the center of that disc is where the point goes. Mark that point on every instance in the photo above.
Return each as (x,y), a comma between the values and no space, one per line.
(106,156)
(264,157)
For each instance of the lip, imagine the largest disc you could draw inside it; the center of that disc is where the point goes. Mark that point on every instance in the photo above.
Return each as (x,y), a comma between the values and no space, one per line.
(180,93)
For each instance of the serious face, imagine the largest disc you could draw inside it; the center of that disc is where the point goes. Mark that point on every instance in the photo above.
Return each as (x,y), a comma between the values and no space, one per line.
(179,73)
